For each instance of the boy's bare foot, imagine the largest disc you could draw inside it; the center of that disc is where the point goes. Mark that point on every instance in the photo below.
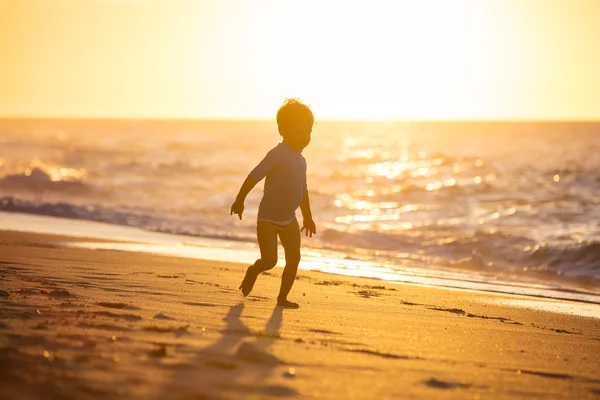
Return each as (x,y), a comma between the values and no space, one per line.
(248,282)
(287,304)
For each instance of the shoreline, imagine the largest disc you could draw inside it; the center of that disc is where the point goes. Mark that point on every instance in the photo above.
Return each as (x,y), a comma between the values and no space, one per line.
(80,323)
(100,235)
(537,300)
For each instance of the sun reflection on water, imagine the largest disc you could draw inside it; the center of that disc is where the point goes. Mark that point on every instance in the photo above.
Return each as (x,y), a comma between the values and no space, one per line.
(57,173)
(398,188)
(42,171)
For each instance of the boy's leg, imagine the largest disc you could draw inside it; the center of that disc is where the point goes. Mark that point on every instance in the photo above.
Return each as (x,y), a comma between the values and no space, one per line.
(290,240)
(266,234)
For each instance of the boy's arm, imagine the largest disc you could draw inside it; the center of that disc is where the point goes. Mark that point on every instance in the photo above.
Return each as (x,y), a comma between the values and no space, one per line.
(247,186)
(305,206)
(238,205)
(308,223)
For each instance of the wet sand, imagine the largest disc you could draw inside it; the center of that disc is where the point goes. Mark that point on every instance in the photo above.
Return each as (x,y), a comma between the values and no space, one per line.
(97,324)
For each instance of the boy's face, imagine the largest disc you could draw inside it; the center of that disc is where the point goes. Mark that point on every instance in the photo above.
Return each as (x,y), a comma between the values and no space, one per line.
(298,135)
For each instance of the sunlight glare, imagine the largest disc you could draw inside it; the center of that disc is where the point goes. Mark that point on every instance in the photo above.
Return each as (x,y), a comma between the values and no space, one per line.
(401,57)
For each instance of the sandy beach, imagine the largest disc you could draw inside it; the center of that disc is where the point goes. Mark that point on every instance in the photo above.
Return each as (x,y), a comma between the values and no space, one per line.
(95,324)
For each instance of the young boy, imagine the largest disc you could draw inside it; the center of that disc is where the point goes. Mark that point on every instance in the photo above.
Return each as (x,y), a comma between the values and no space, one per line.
(285,189)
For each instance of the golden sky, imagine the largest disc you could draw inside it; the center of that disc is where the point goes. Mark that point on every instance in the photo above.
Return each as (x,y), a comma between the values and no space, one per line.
(368,59)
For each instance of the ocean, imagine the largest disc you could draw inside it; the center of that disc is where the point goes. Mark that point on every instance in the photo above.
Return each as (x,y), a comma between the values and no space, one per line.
(511,201)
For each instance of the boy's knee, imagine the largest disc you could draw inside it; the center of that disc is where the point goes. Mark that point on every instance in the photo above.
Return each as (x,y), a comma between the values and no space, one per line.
(292,260)
(267,263)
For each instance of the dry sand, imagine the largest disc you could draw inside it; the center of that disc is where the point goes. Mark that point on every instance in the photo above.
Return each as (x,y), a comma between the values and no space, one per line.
(95,324)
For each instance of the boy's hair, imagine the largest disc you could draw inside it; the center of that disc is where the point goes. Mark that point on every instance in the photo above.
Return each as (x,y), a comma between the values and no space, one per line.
(292,111)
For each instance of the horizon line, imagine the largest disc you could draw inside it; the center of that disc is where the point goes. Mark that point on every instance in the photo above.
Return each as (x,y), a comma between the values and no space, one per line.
(272,119)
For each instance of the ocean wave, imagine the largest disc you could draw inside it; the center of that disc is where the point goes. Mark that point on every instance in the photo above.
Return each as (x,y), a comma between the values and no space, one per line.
(60,209)
(370,240)
(490,251)
(179,225)
(39,179)
(444,242)
(572,259)
(493,251)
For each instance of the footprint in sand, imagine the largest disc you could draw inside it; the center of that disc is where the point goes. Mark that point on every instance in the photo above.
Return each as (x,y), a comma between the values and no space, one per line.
(168,329)
(566,331)
(191,303)
(325,331)
(329,283)
(382,355)
(108,314)
(458,311)
(367,294)
(408,303)
(163,316)
(117,305)
(438,384)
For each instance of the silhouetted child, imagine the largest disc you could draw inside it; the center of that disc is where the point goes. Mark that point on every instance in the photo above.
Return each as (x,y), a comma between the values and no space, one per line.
(285,190)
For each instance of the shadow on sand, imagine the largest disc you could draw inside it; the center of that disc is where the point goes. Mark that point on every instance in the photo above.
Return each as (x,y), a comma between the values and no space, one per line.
(238,363)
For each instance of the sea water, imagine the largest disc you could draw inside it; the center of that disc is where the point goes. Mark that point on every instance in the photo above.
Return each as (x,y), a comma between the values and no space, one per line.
(486,201)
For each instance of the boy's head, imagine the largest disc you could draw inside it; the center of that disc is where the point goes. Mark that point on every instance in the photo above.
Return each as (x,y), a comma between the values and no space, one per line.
(295,122)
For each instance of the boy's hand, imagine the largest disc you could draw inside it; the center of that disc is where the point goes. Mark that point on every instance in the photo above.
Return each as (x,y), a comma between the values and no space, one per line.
(309,225)
(237,208)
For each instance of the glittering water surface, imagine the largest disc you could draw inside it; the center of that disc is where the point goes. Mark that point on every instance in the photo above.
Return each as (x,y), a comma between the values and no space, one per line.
(510,200)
